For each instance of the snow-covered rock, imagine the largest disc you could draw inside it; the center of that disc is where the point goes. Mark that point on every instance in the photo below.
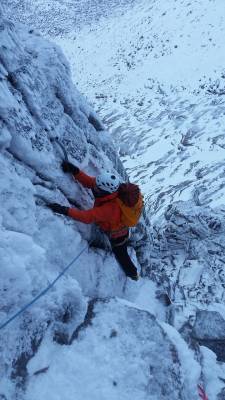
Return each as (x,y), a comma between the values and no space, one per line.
(209,331)
(38,102)
(120,352)
(158,84)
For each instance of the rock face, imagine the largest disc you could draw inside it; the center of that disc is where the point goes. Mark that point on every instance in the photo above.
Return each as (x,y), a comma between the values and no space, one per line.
(110,346)
(222,395)
(39,103)
(109,349)
(209,325)
(209,331)
(190,246)
(190,242)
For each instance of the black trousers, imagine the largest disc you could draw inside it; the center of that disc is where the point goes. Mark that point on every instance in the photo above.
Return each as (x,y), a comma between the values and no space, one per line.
(122,256)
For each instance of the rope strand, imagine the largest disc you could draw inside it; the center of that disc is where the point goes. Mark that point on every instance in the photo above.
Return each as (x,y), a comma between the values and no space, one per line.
(43,292)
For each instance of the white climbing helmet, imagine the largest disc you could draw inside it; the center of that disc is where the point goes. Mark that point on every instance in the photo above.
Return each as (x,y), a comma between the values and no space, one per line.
(108,181)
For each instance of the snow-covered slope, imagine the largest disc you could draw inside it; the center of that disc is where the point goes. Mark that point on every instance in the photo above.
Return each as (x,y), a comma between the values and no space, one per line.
(154,72)
(157,80)
(37,103)
(156,76)
(58,18)
(138,369)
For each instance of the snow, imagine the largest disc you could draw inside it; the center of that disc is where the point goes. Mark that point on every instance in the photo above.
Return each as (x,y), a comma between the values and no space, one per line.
(39,102)
(212,373)
(157,82)
(165,79)
(190,367)
(92,365)
(146,299)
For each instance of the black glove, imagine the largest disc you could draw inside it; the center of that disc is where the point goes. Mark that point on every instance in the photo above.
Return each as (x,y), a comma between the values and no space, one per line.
(68,167)
(58,208)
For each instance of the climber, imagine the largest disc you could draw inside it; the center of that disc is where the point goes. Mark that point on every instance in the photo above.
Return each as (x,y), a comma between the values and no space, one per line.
(106,213)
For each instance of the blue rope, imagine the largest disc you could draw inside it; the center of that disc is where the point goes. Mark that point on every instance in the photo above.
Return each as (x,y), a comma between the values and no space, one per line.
(43,291)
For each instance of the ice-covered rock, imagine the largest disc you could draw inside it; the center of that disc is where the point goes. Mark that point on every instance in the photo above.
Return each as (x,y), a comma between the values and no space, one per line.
(168,136)
(39,104)
(115,327)
(209,330)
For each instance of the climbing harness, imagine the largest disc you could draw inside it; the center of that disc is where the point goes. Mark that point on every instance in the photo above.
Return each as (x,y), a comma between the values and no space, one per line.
(35,299)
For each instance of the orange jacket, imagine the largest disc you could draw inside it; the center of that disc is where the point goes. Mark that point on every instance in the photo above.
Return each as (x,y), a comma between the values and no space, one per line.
(106,211)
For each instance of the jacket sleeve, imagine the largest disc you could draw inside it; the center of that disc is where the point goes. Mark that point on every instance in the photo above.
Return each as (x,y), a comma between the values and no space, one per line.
(85,180)
(96,214)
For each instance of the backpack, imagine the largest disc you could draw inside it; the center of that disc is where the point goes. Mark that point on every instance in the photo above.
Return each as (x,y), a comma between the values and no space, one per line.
(131,203)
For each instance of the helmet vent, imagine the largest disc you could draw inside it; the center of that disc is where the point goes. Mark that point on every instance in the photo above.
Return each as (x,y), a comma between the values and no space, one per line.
(108,181)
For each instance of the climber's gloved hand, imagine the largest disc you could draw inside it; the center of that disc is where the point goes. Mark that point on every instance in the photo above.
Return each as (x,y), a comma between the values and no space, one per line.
(57,208)
(69,167)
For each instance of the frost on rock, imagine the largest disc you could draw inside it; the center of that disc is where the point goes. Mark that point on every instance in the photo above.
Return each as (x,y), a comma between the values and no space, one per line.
(71,342)
(38,103)
(209,331)
(187,255)
(115,327)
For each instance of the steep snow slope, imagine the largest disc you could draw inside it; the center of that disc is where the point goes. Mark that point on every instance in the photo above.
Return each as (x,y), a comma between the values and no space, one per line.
(37,103)
(58,347)
(152,80)
(157,80)
(138,370)
(57,18)
(164,123)
(155,74)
